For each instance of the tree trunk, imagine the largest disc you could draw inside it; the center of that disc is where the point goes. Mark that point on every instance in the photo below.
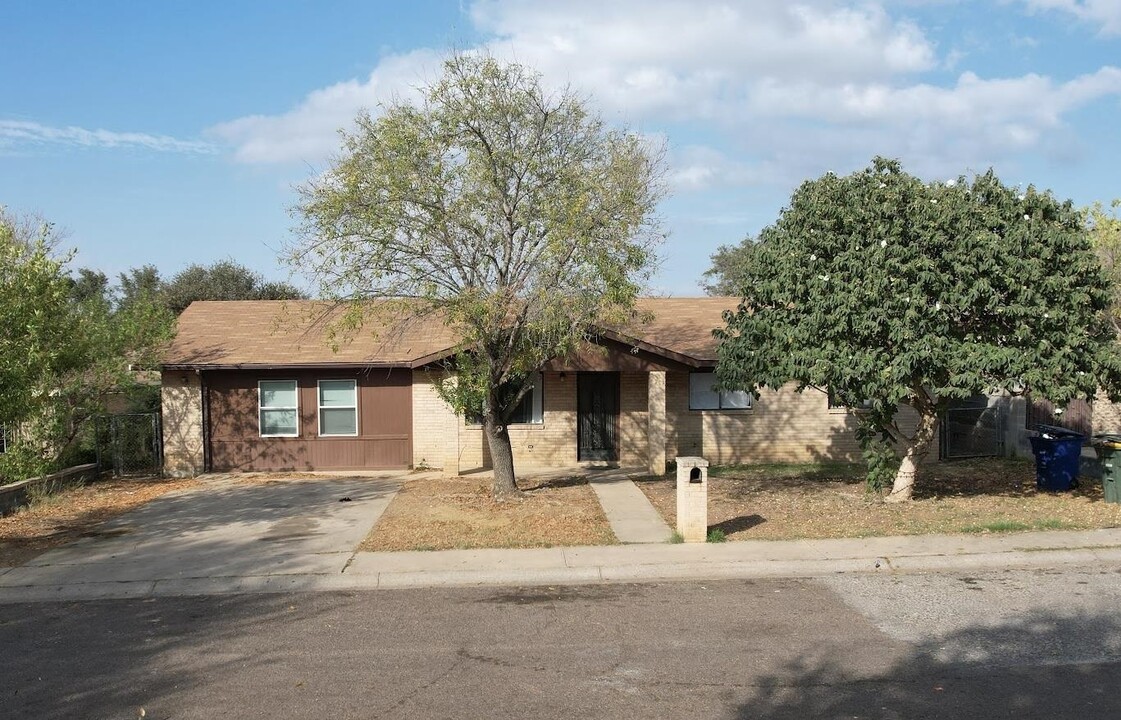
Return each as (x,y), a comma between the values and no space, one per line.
(914,456)
(501,458)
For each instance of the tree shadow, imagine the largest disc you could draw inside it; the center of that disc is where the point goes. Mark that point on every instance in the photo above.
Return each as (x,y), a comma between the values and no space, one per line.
(1038,665)
(737,524)
(529,484)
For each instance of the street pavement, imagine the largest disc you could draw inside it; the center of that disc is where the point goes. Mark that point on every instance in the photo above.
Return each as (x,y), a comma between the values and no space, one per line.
(200,606)
(1015,643)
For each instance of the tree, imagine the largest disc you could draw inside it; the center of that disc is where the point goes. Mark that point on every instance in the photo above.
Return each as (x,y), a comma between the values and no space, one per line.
(35,328)
(224,280)
(1105,233)
(878,286)
(142,283)
(64,346)
(514,213)
(728,263)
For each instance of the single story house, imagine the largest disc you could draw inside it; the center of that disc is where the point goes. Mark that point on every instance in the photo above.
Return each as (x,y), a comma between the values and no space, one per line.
(256,385)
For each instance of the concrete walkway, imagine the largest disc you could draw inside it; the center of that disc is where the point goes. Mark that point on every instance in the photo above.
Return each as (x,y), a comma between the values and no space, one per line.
(633,519)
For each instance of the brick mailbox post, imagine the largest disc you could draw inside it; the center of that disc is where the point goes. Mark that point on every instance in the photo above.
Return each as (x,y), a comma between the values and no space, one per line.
(692,498)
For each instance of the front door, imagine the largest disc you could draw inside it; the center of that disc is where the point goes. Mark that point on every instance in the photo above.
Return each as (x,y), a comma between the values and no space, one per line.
(597,415)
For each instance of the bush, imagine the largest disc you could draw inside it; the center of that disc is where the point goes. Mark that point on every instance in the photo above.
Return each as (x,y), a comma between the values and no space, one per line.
(880,458)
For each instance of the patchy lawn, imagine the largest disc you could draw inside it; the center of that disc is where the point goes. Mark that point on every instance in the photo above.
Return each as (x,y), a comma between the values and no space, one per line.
(74,513)
(456,512)
(778,502)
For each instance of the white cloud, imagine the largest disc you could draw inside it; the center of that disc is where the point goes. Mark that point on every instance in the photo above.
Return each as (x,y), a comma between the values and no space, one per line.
(1032,100)
(690,60)
(643,59)
(310,130)
(22,132)
(1104,13)
(698,167)
(791,88)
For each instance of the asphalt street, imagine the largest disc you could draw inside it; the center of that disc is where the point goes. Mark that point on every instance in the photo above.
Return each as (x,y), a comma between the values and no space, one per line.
(1013,643)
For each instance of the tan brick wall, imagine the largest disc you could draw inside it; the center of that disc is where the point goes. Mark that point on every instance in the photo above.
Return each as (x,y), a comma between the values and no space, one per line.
(181,407)
(692,501)
(1106,416)
(633,429)
(656,422)
(435,425)
(551,443)
(782,426)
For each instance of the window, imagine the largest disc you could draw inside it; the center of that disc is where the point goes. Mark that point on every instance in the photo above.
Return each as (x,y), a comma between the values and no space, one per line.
(338,407)
(278,408)
(529,410)
(703,395)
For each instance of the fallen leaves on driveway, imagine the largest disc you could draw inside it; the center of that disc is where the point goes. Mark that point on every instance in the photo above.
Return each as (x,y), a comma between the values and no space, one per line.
(74,513)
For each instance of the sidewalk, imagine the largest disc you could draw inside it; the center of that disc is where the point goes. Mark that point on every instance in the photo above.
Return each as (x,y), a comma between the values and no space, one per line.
(614,563)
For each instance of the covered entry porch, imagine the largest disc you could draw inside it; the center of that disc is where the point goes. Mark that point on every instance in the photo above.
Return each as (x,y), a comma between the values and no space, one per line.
(604,406)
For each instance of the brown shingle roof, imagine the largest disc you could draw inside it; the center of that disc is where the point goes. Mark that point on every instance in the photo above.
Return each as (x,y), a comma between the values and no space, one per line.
(256,333)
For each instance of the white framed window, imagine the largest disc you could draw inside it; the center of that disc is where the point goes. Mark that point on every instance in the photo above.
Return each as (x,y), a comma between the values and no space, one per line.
(703,395)
(278,408)
(338,408)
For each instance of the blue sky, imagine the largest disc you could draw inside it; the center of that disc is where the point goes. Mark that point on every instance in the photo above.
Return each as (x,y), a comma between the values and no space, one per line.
(174,132)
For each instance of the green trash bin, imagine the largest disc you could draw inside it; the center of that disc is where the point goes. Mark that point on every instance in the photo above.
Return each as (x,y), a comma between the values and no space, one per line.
(1108,448)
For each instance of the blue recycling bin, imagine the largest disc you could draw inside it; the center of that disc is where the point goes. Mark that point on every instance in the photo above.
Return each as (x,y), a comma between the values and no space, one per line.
(1058,452)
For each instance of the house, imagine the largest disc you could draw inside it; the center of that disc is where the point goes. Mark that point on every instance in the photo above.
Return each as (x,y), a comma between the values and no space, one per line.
(254,385)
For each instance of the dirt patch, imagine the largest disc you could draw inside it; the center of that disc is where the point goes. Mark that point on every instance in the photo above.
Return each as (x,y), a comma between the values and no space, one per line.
(75,513)
(823,501)
(454,513)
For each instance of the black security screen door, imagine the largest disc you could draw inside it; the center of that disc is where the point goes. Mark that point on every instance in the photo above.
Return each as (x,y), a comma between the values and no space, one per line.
(597,416)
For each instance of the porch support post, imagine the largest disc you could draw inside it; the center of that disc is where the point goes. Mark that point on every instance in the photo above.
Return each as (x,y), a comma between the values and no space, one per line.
(656,421)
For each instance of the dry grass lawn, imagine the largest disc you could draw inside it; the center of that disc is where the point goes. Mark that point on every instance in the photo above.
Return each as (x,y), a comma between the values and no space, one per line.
(458,512)
(779,502)
(73,513)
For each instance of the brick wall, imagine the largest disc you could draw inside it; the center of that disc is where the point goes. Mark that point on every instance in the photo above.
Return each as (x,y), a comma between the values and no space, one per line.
(181,407)
(783,426)
(551,443)
(435,425)
(1106,415)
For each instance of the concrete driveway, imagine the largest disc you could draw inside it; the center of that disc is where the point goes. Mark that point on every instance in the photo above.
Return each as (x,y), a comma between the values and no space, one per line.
(227,528)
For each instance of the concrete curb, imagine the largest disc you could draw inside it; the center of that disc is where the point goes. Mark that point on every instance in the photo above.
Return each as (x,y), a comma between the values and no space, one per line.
(566,566)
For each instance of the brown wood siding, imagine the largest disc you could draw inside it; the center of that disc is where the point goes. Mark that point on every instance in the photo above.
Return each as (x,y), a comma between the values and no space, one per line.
(384,422)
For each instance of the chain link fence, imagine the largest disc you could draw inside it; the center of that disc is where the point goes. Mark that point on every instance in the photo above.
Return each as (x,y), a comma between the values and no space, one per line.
(130,444)
(973,431)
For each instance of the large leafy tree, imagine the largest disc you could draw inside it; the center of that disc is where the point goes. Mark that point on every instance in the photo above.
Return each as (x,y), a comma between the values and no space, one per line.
(729,262)
(881,287)
(512,211)
(65,345)
(35,329)
(1105,233)
(224,280)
